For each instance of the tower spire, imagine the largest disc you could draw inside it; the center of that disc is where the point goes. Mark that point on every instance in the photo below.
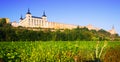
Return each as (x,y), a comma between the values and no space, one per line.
(113,27)
(28,11)
(21,18)
(44,14)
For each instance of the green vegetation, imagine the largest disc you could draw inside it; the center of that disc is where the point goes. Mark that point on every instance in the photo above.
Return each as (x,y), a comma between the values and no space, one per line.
(62,51)
(9,33)
(20,44)
(112,54)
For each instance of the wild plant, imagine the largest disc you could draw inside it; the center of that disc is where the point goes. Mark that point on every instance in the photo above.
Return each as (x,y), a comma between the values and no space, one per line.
(99,50)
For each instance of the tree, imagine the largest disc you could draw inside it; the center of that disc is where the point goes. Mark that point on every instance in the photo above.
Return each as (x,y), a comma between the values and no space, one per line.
(2,22)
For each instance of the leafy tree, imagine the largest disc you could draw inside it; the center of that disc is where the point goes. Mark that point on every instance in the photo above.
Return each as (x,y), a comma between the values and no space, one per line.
(2,22)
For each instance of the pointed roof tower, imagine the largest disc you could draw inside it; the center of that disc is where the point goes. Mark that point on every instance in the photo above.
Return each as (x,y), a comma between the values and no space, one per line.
(44,14)
(113,27)
(28,11)
(113,31)
(21,18)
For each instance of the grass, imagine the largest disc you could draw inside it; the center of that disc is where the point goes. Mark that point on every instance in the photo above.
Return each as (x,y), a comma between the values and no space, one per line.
(53,51)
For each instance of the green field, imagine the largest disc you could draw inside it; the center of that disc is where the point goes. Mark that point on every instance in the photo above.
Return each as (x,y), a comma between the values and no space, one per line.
(53,51)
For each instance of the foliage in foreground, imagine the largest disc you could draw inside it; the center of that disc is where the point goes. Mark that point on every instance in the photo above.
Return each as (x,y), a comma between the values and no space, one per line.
(62,51)
(112,54)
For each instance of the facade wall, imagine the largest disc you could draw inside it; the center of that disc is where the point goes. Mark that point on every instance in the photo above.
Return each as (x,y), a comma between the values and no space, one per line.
(32,21)
(42,22)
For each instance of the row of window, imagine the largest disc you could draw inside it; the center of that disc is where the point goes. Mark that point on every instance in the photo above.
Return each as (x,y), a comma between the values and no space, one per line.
(35,22)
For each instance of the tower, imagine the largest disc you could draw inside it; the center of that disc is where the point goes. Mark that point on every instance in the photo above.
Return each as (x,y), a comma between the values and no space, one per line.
(21,18)
(112,31)
(28,14)
(44,14)
(113,27)
(44,17)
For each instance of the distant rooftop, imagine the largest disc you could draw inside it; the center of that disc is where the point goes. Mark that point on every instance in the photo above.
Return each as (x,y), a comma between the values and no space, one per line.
(36,17)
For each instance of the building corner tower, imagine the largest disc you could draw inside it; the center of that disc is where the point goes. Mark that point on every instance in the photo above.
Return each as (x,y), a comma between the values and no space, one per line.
(44,17)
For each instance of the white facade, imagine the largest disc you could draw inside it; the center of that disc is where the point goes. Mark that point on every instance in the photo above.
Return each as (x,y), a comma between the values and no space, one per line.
(33,21)
(42,22)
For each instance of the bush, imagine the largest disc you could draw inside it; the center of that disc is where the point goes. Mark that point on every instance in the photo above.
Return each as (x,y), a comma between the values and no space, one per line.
(112,54)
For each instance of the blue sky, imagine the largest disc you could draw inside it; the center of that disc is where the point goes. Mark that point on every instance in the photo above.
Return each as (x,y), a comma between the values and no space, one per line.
(100,13)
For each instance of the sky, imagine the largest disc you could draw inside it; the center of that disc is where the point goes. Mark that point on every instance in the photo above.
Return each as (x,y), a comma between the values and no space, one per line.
(100,13)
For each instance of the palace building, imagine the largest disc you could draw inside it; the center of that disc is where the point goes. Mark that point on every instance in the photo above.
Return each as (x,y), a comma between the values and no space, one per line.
(42,22)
